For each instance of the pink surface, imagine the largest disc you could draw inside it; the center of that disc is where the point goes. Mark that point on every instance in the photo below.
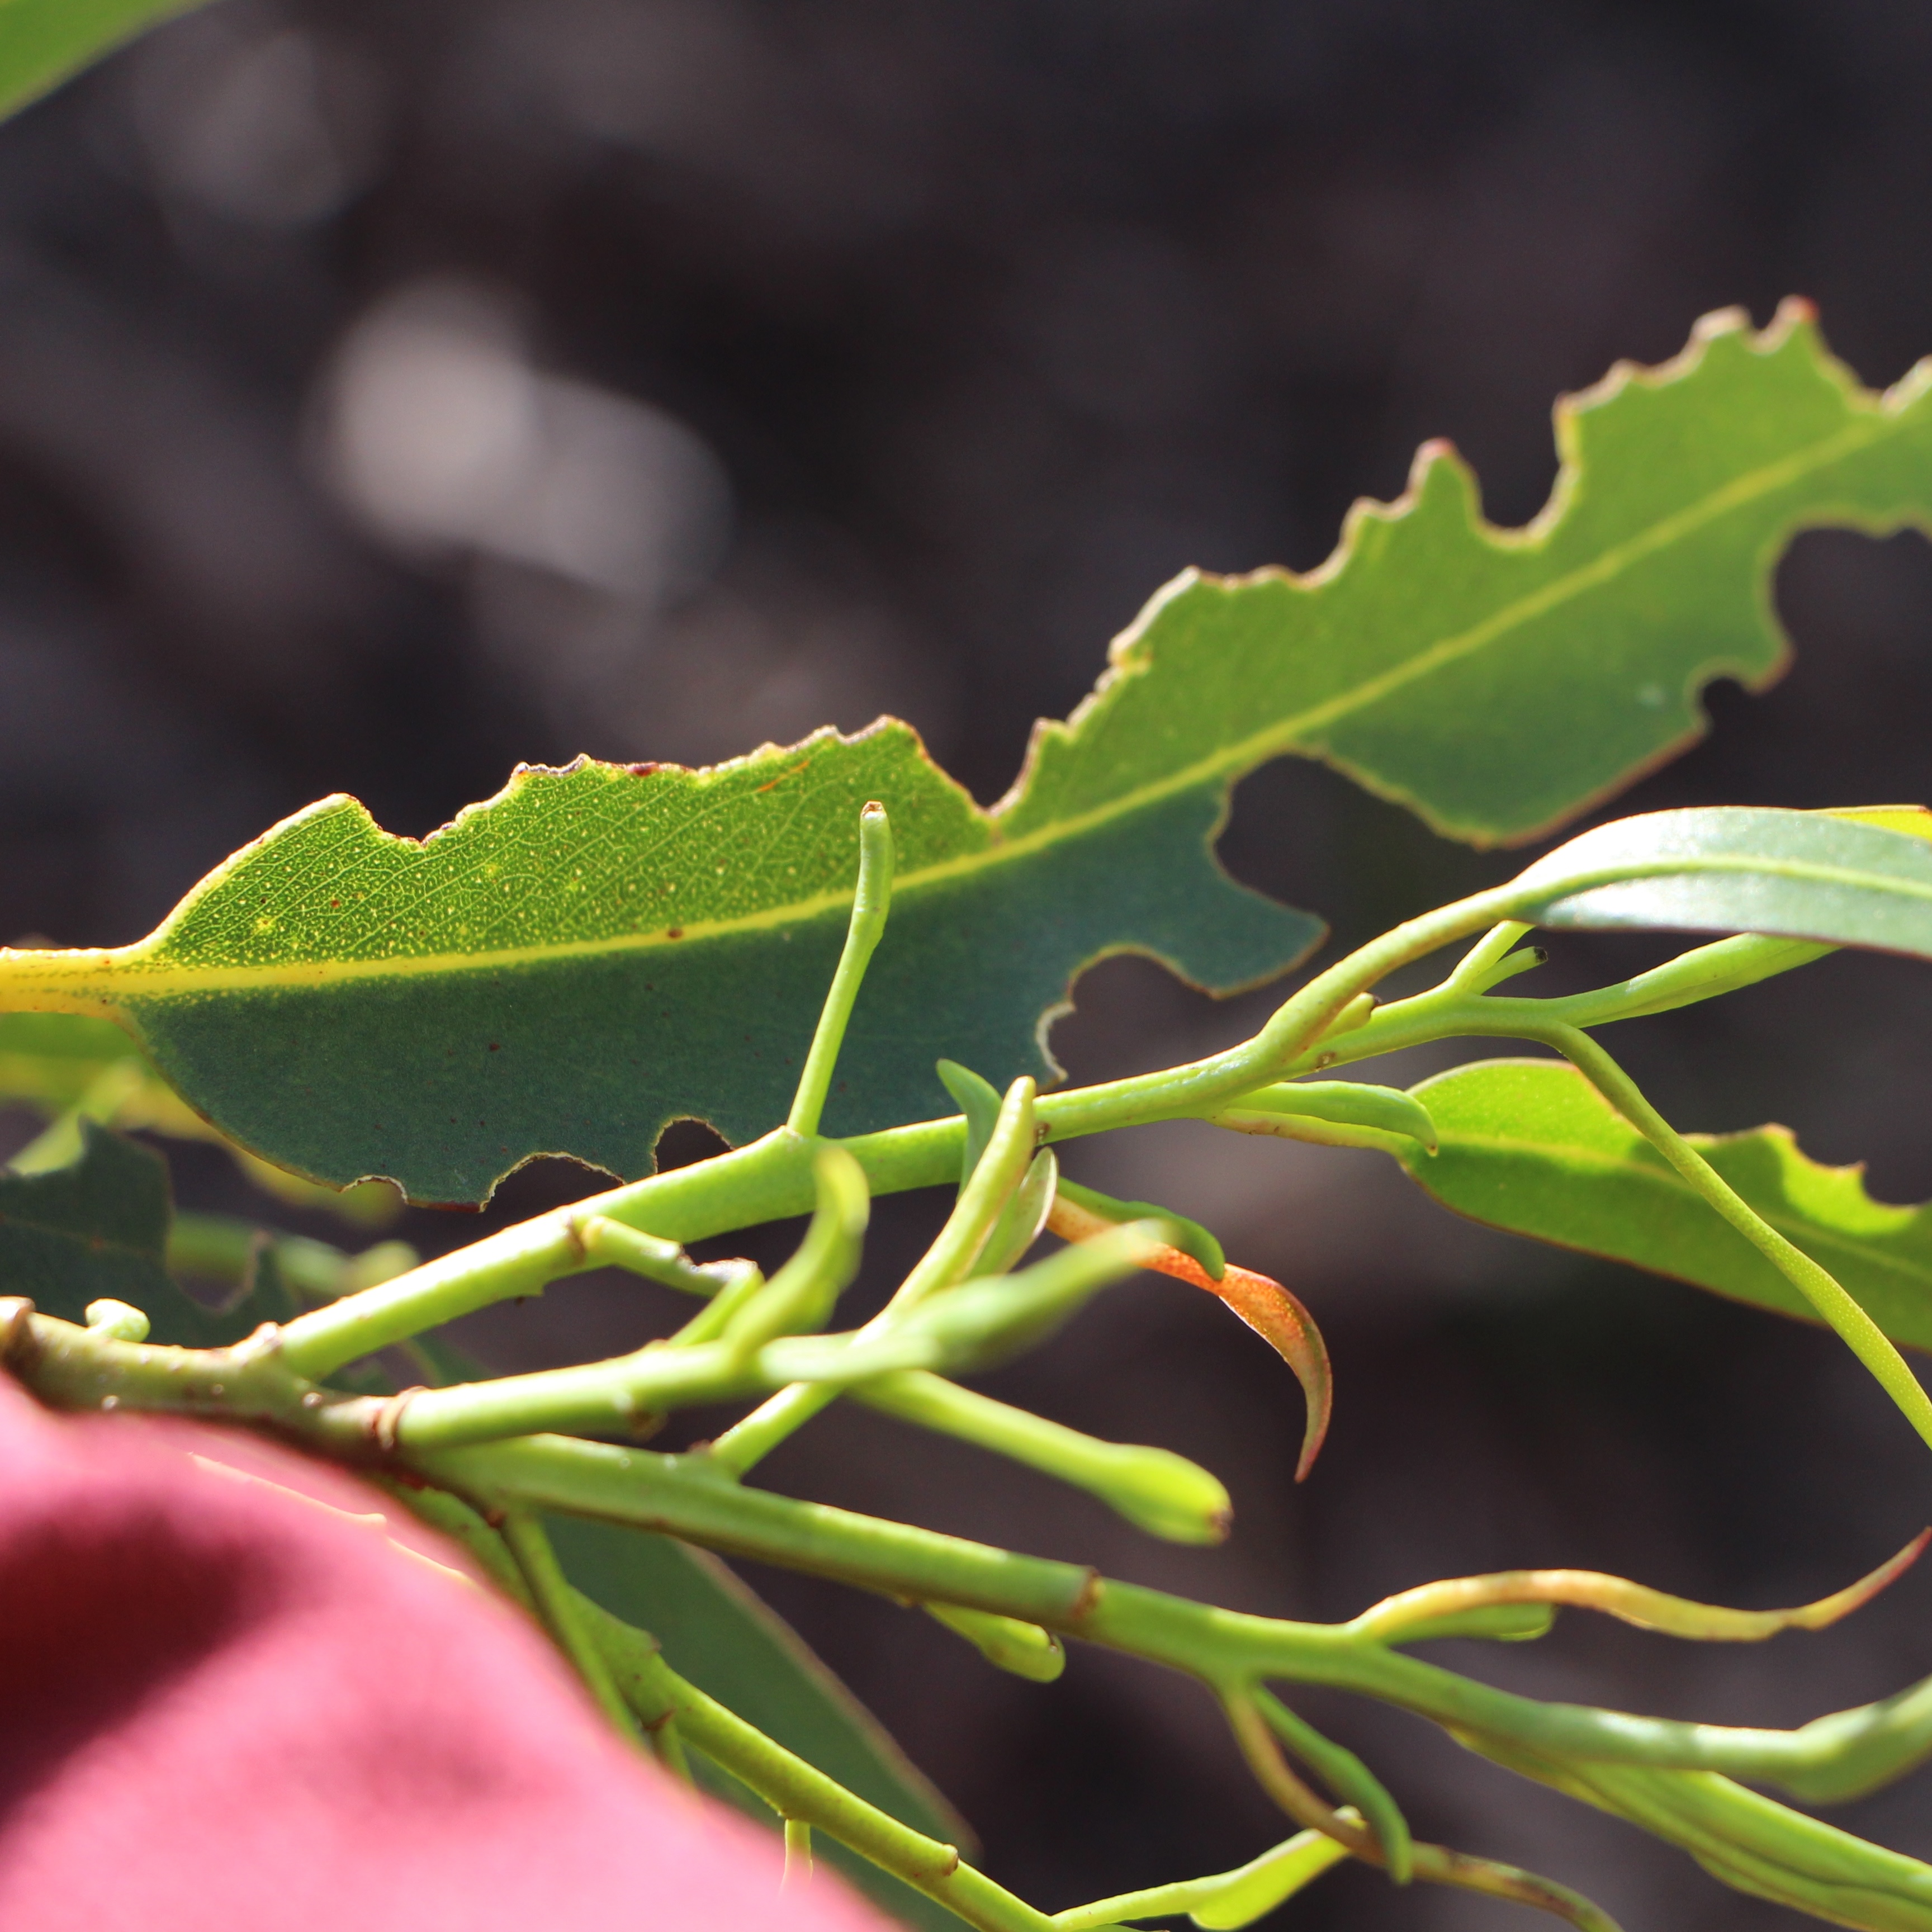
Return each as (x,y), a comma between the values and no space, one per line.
(223,1706)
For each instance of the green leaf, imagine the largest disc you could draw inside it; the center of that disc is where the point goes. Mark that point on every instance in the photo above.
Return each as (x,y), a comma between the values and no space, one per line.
(1809,875)
(42,42)
(98,1226)
(1531,1146)
(1493,680)
(601,949)
(95,1229)
(716,1633)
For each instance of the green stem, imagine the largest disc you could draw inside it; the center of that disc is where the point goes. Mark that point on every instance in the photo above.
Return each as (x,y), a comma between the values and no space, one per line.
(870,903)
(947,1261)
(683,1497)
(1349,1777)
(520,1261)
(1704,973)
(771,1178)
(748,1442)
(1227,1898)
(1156,1490)
(622,1397)
(798,1792)
(797,1851)
(1854,1327)
(557,1604)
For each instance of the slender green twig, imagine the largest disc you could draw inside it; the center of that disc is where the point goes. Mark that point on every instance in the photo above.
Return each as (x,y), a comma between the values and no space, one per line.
(1855,1328)
(1856,1749)
(1161,1493)
(798,1792)
(946,1261)
(797,1851)
(1847,1752)
(772,1178)
(555,1601)
(1225,1900)
(870,902)
(1436,1864)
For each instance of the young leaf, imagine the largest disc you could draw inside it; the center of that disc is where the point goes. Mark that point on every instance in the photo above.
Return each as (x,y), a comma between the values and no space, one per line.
(1809,875)
(1531,1146)
(42,42)
(1276,1315)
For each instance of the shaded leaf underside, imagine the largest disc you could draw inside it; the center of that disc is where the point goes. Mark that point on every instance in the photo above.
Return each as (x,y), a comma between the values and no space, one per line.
(1530,1146)
(600,950)
(95,1228)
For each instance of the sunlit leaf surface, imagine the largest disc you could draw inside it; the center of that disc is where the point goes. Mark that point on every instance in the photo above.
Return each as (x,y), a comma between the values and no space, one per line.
(43,41)
(601,950)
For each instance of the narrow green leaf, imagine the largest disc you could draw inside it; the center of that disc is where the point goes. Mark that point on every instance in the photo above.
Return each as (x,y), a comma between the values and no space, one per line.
(42,42)
(601,949)
(978,1101)
(1023,1219)
(1807,875)
(1305,1108)
(1531,1146)
(724,1639)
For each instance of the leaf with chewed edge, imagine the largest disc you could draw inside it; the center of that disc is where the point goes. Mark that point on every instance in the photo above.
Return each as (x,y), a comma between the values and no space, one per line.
(598,951)
(1531,1146)
(601,949)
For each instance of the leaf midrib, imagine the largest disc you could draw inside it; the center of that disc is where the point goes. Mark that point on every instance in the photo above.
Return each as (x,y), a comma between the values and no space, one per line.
(1283,736)
(1228,762)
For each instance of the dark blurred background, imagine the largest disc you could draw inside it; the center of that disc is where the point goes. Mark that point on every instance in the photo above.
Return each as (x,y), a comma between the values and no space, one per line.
(391,392)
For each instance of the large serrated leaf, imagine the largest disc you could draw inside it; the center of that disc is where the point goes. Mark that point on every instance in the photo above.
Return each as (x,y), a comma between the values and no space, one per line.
(722,1637)
(42,42)
(601,949)
(1531,1146)
(1497,680)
